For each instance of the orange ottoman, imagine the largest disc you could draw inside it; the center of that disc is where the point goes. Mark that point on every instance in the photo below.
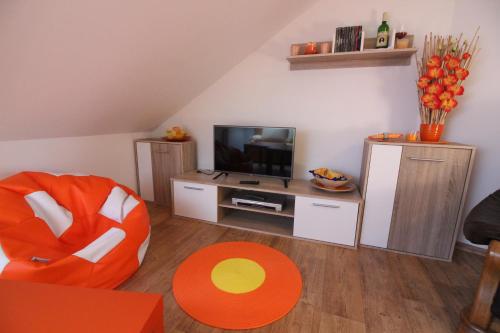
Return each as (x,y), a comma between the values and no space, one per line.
(68,229)
(45,308)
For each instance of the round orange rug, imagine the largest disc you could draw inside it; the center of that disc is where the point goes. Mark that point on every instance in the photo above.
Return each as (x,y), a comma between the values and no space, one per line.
(237,285)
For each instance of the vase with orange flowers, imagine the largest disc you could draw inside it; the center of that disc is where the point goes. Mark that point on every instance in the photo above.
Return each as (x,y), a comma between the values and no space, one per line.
(444,67)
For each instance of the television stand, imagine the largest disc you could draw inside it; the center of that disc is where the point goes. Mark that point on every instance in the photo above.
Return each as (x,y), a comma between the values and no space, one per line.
(308,213)
(220,174)
(285,183)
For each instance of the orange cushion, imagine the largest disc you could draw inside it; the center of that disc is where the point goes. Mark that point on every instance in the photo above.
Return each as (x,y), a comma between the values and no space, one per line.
(53,228)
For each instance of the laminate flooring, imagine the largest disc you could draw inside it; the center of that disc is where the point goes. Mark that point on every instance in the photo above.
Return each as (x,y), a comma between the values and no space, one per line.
(344,290)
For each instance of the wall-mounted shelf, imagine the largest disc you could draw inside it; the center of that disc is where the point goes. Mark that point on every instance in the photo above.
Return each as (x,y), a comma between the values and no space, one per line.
(369,57)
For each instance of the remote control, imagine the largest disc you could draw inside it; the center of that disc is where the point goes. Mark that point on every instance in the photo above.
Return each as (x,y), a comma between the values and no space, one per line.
(250,182)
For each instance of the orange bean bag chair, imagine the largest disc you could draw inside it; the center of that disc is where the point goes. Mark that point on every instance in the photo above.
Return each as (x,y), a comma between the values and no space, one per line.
(67,229)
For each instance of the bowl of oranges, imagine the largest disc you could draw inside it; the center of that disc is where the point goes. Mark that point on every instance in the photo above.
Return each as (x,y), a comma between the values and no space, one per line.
(330,178)
(176,134)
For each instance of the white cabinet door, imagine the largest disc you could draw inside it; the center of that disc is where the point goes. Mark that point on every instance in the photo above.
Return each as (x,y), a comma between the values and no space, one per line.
(145,171)
(380,192)
(325,220)
(197,201)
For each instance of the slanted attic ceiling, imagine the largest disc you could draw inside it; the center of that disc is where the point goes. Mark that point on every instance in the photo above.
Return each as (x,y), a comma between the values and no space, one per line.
(72,67)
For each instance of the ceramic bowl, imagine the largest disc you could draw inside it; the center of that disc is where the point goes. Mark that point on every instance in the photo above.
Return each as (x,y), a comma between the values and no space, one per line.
(332,183)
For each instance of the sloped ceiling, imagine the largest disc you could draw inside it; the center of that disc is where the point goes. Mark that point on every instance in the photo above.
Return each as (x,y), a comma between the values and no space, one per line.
(73,67)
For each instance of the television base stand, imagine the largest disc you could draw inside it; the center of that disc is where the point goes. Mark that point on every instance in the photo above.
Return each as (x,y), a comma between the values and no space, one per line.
(285,183)
(306,212)
(220,174)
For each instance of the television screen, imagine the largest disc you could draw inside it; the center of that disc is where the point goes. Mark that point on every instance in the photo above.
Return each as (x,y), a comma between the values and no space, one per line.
(254,150)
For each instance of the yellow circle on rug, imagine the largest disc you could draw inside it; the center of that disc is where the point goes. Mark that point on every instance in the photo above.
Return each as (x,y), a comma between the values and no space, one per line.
(238,275)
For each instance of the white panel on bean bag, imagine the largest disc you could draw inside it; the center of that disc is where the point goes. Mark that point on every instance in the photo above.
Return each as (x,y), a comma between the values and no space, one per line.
(58,218)
(102,245)
(142,249)
(40,260)
(128,205)
(118,205)
(4,260)
(112,207)
(57,174)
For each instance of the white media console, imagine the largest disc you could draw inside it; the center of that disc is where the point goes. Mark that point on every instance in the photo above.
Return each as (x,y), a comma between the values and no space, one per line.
(310,213)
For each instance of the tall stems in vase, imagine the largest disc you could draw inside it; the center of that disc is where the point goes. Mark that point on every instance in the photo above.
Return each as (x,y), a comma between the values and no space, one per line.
(444,66)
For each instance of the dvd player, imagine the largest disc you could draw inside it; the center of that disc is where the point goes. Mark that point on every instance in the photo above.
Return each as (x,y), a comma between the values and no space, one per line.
(263,200)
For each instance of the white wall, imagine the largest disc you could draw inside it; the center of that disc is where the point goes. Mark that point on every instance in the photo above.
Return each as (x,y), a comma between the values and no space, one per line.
(118,66)
(477,120)
(103,155)
(333,110)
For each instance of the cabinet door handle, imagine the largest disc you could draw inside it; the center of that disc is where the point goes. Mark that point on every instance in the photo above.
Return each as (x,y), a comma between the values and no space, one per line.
(193,188)
(426,159)
(324,205)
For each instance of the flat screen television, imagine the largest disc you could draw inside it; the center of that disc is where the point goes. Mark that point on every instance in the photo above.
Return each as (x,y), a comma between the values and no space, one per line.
(266,151)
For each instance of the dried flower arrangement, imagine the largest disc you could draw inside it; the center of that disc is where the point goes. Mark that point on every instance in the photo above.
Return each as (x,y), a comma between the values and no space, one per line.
(445,65)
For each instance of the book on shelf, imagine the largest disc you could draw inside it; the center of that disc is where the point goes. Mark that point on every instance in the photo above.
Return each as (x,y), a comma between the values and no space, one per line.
(348,39)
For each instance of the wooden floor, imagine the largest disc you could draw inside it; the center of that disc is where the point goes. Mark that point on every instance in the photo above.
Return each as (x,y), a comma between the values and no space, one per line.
(344,290)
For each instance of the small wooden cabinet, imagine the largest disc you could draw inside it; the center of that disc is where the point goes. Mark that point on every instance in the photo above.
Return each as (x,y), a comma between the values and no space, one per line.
(157,161)
(327,220)
(414,194)
(194,200)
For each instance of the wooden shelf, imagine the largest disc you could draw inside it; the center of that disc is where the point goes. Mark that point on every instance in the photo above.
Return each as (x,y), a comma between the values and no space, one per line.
(274,225)
(366,58)
(369,57)
(288,211)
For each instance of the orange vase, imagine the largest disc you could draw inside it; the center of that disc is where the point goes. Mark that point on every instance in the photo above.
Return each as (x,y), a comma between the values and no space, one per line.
(431,132)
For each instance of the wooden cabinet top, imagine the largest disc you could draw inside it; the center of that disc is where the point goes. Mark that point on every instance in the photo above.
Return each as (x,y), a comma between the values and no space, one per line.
(160,140)
(420,144)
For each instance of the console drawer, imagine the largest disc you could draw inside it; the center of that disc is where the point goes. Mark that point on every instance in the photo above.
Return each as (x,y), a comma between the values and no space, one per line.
(326,220)
(197,201)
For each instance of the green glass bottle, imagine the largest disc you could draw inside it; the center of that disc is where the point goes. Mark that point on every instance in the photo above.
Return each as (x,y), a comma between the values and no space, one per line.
(383,33)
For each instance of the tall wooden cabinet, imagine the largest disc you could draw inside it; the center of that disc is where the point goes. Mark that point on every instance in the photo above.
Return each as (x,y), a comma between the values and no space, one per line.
(414,194)
(157,161)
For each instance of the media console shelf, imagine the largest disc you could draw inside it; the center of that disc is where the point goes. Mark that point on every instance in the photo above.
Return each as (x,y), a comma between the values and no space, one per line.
(309,213)
(288,211)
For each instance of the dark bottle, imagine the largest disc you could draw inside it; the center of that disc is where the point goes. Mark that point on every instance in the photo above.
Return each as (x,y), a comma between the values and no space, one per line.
(383,33)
